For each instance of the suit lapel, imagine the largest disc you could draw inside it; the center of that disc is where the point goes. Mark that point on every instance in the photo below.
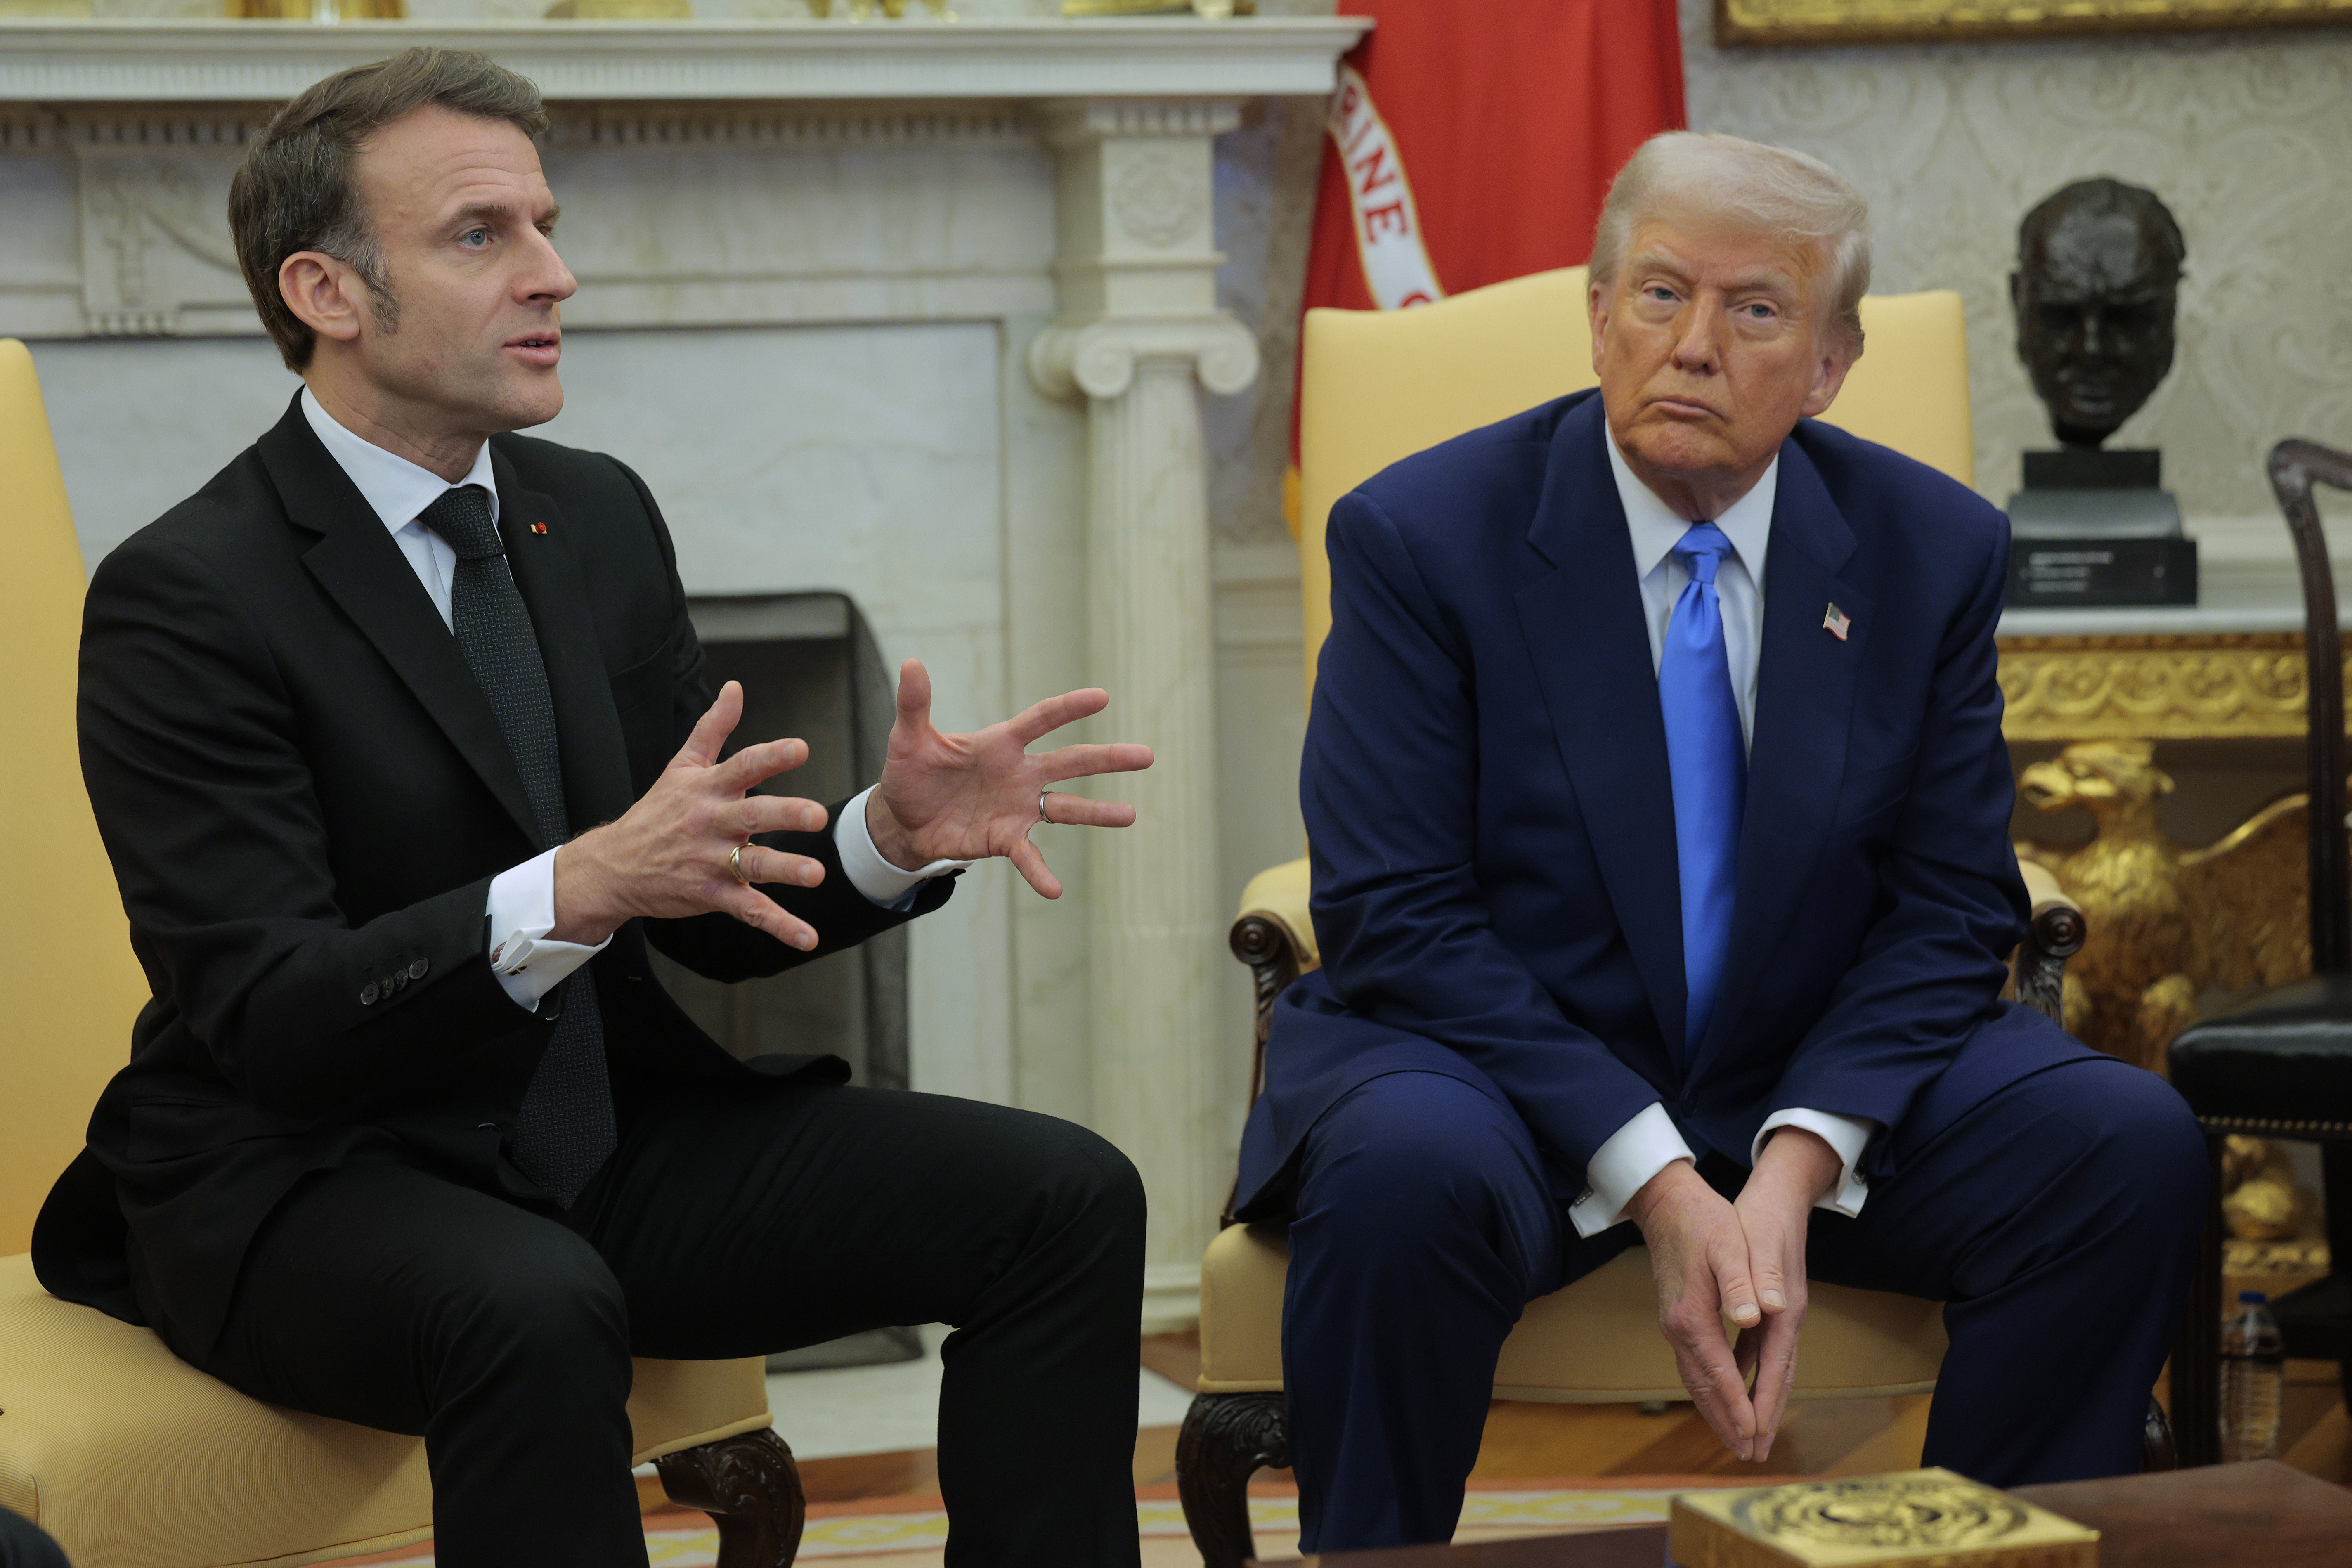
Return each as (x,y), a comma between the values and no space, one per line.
(1591,654)
(541,553)
(1804,708)
(363,570)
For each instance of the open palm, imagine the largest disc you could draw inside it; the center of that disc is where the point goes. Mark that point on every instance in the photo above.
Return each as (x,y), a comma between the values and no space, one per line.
(964,797)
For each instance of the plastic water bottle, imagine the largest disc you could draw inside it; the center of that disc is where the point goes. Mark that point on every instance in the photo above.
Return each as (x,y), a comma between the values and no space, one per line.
(2253,1371)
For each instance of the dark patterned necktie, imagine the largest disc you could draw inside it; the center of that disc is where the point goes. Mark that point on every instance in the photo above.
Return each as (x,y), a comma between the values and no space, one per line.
(564,1130)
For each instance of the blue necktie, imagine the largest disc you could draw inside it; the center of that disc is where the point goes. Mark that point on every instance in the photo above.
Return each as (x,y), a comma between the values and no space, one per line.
(1707,763)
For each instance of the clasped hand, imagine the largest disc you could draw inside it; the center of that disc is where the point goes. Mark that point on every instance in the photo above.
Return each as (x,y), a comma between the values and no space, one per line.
(1744,1260)
(941,797)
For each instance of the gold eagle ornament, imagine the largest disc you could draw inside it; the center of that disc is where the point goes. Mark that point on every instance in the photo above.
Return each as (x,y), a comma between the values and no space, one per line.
(2165,923)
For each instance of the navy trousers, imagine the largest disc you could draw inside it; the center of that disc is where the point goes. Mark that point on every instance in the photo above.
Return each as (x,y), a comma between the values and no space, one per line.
(2057,1221)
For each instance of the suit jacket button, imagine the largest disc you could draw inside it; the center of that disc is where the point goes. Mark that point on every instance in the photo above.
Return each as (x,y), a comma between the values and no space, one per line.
(368,992)
(417,970)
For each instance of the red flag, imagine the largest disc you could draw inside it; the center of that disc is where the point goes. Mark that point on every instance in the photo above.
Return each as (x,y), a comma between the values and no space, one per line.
(1473,142)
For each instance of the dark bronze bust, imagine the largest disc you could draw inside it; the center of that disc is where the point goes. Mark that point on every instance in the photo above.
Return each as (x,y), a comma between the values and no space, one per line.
(2098,274)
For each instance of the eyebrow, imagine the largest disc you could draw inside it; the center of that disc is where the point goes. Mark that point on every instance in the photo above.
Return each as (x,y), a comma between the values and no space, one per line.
(1767,279)
(1658,261)
(485,212)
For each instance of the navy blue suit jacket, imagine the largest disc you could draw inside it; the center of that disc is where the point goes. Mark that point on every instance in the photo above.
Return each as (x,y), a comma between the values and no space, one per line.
(1486,794)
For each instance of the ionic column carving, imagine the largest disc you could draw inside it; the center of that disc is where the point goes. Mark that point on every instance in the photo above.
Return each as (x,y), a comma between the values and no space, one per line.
(1138,337)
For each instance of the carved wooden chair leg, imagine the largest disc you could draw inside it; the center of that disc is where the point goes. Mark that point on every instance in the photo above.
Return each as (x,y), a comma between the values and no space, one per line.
(752,1490)
(1226,1438)
(2157,1449)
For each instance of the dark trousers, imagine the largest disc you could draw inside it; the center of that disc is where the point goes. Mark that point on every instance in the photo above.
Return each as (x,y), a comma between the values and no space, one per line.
(24,1545)
(2057,1221)
(728,1224)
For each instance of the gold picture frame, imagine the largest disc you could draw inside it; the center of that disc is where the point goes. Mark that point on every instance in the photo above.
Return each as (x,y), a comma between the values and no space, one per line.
(1768,22)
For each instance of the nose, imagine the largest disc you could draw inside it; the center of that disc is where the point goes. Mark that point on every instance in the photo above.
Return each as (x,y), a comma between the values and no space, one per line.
(547,280)
(1698,342)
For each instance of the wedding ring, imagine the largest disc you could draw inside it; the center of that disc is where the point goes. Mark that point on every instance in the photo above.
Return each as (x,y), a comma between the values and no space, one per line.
(1042,795)
(735,865)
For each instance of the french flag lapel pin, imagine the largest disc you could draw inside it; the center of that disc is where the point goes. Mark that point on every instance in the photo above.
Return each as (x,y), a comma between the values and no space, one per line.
(1837,623)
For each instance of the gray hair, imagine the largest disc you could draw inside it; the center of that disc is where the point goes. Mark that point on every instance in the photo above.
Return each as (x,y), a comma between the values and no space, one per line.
(1777,191)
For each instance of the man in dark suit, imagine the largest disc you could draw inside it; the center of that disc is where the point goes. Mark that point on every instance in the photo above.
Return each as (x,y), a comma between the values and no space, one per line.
(1657,884)
(398,739)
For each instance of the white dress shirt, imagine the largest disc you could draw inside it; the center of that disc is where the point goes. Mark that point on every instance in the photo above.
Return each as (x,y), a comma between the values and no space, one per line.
(1650,1142)
(522,906)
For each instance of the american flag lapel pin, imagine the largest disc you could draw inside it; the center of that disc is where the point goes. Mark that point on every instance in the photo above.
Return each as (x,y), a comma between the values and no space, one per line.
(1837,623)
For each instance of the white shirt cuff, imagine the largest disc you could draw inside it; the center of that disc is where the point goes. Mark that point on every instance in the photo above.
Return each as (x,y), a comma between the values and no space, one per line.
(868,872)
(1619,1168)
(1849,1135)
(527,961)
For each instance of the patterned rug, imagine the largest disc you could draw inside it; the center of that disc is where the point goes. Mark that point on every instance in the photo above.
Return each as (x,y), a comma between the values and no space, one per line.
(912,1532)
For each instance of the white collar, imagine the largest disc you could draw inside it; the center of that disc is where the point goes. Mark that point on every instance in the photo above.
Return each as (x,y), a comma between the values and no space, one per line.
(1747,522)
(397,489)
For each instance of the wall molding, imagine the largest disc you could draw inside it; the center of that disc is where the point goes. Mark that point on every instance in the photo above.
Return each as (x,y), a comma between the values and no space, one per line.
(216,60)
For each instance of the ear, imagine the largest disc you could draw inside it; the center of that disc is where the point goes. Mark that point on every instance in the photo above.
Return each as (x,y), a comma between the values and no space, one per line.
(324,294)
(1596,309)
(1829,376)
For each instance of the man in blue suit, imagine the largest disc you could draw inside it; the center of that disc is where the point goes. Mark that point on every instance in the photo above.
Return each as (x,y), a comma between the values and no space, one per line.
(1660,812)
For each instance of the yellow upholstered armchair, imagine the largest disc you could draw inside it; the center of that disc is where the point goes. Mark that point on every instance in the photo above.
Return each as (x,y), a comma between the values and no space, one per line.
(1377,388)
(130,1457)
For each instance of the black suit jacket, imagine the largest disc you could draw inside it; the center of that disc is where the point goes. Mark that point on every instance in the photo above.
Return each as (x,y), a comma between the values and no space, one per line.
(305,797)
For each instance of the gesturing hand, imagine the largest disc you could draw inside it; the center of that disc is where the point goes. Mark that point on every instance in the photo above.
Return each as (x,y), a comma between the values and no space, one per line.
(668,855)
(962,797)
(1698,1258)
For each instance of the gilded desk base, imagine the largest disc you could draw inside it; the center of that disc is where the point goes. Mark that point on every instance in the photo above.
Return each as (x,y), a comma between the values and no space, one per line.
(2200,687)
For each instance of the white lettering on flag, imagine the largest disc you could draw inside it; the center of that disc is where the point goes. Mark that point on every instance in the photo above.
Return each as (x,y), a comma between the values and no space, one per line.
(1388,226)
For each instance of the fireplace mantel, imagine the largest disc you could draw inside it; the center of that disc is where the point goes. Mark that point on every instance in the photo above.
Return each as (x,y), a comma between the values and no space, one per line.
(225,61)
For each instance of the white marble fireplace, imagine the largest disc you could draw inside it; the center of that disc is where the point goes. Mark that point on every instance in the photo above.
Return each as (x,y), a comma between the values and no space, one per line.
(920,313)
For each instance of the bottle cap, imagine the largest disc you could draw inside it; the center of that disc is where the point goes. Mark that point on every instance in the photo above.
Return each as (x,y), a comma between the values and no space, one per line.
(2253,1299)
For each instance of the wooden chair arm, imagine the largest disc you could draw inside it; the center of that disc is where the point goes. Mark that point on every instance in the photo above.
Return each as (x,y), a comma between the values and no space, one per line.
(1275,935)
(2054,933)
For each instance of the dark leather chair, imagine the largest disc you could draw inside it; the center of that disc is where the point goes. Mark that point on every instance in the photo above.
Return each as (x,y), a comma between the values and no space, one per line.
(2279,1065)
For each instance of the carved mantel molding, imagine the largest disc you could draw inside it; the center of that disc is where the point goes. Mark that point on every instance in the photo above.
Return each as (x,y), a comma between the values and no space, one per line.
(207,60)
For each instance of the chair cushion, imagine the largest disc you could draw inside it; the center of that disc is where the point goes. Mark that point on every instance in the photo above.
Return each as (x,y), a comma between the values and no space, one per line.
(133,1458)
(1595,1342)
(2284,1055)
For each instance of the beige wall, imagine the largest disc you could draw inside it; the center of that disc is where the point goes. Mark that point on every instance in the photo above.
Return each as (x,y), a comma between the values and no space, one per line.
(2247,137)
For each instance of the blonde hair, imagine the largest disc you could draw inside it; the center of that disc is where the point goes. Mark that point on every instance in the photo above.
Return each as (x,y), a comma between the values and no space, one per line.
(1773,189)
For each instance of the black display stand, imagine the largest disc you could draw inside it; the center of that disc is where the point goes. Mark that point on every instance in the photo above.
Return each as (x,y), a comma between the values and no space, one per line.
(2095,528)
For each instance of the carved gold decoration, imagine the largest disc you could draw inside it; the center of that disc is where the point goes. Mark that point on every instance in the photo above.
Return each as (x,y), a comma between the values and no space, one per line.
(1208,10)
(859,10)
(621,11)
(318,10)
(2218,686)
(1874,21)
(2165,923)
(2258,1202)
(1914,1516)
